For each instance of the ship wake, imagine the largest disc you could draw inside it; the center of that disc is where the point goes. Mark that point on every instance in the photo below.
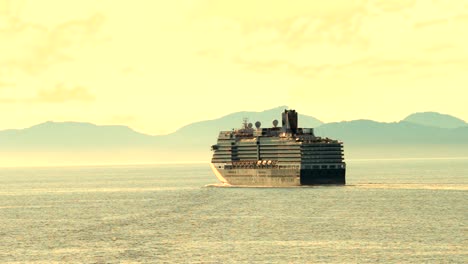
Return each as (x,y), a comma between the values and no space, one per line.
(409,186)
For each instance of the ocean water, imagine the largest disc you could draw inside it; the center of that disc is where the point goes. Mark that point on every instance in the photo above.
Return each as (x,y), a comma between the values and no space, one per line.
(391,211)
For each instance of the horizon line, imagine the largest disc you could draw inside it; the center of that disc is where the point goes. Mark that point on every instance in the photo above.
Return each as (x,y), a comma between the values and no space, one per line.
(146,164)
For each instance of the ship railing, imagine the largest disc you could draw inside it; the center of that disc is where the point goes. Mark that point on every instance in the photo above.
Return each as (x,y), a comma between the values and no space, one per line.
(255,164)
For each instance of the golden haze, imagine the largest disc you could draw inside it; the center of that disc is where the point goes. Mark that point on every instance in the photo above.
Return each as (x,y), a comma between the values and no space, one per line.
(158,65)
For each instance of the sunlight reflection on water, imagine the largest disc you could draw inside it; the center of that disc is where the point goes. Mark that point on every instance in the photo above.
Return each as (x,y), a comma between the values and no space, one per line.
(392,211)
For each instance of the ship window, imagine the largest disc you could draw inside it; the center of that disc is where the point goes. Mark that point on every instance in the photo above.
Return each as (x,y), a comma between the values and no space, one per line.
(332,166)
(316,167)
(324,166)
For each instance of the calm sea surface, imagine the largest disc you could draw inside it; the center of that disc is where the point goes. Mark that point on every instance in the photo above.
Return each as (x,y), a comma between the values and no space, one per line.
(400,211)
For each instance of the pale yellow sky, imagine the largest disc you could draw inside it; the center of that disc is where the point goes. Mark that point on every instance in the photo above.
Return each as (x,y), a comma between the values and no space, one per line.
(158,65)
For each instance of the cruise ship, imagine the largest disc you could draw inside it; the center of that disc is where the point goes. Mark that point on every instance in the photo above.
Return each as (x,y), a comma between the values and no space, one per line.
(277,156)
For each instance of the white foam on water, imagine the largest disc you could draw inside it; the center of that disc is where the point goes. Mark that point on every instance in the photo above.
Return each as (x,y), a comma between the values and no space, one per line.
(409,186)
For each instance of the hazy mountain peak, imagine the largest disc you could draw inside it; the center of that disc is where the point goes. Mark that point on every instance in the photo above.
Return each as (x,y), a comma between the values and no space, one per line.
(272,111)
(77,127)
(435,119)
(50,124)
(76,124)
(280,109)
(210,128)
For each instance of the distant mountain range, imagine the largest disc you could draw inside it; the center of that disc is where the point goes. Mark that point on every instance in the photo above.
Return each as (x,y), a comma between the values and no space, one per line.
(368,132)
(192,142)
(435,120)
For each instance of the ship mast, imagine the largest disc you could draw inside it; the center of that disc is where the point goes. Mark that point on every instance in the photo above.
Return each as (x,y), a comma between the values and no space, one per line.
(245,123)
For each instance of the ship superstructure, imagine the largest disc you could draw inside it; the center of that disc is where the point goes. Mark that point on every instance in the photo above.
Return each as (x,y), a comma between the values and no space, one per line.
(277,156)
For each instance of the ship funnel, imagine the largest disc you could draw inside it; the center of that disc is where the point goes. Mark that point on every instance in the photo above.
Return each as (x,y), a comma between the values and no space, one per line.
(290,121)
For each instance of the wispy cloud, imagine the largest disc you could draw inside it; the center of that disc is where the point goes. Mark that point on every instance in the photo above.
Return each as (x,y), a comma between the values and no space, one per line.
(61,94)
(385,37)
(5,84)
(31,48)
(58,94)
